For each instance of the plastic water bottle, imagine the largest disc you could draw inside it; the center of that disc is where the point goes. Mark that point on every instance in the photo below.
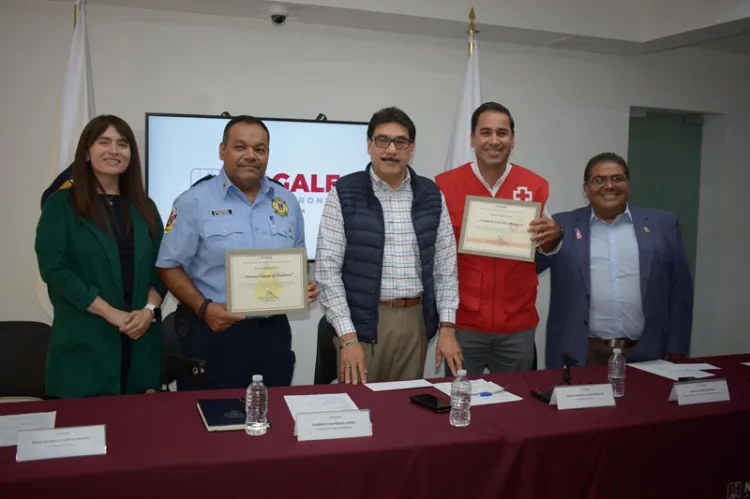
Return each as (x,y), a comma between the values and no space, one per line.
(617,372)
(460,400)
(256,407)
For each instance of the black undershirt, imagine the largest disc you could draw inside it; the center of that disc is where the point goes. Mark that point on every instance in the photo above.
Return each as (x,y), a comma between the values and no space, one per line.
(118,216)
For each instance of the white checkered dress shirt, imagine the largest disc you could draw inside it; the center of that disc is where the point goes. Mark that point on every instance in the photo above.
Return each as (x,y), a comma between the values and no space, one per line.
(401,265)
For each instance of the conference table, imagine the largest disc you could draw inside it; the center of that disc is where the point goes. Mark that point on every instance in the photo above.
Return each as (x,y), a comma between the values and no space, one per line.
(158,447)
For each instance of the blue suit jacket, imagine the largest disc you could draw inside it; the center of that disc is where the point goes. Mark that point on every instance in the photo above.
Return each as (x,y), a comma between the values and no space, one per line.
(666,287)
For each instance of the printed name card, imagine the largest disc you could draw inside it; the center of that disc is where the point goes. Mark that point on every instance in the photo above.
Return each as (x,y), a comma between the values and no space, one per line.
(333,425)
(699,392)
(34,445)
(583,396)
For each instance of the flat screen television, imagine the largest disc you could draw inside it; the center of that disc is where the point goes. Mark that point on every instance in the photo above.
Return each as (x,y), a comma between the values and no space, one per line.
(306,156)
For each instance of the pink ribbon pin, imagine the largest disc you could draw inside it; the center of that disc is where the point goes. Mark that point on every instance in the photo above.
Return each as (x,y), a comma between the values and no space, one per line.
(578,233)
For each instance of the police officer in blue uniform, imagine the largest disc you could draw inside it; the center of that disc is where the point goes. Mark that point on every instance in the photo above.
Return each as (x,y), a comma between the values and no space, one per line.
(240,208)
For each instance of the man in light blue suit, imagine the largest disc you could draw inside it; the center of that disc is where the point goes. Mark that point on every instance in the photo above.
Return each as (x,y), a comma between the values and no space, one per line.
(620,279)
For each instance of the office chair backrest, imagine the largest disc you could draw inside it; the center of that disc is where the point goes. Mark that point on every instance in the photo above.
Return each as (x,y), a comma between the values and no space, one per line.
(170,346)
(325,360)
(23,358)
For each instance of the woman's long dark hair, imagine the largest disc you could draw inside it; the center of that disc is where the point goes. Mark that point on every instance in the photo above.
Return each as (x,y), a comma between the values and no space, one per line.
(86,201)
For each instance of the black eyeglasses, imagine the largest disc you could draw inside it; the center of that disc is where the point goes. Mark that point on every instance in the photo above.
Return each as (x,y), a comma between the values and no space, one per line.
(615,179)
(383,141)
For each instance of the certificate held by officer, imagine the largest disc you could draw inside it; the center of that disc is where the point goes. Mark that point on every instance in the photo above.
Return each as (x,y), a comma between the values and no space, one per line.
(261,282)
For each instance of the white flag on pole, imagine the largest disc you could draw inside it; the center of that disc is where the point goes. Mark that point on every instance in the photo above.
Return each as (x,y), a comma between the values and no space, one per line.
(78,92)
(459,150)
(77,109)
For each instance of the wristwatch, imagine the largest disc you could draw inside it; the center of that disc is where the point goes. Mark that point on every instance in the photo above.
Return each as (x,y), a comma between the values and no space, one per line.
(155,311)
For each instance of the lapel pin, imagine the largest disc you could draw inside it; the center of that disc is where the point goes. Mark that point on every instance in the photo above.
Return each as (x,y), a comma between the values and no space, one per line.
(578,233)
(646,229)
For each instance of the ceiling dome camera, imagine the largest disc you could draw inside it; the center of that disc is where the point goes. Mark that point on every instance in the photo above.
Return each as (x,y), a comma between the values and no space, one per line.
(279,14)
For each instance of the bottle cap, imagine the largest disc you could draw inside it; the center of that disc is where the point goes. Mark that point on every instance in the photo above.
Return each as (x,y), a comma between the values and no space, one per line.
(616,350)
(461,372)
(257,377)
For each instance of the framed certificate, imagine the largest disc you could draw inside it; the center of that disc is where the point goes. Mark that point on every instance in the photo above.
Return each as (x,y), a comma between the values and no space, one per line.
(266,282)
(498,228)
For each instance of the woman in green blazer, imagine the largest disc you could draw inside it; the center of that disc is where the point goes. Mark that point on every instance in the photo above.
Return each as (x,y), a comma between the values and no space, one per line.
(96,245)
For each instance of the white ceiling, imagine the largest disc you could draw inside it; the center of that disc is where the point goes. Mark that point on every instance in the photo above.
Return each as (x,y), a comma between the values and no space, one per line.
(564,24)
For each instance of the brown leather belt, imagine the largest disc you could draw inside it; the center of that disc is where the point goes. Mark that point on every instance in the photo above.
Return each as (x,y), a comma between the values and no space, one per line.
(402,302)
(616,343)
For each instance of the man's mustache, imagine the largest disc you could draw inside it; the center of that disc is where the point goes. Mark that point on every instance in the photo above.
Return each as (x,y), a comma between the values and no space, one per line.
(390,160)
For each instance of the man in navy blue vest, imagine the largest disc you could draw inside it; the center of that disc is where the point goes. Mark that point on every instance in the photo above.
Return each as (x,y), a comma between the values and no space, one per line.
(386,262)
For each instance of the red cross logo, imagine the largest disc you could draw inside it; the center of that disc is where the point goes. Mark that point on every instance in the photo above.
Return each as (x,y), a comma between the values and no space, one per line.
(522,194)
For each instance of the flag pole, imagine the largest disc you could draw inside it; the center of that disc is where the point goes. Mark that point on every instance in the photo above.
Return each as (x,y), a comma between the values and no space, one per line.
(472,30)
(76,10)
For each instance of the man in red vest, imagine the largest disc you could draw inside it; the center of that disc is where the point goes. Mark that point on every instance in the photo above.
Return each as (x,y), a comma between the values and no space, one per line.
(497,317)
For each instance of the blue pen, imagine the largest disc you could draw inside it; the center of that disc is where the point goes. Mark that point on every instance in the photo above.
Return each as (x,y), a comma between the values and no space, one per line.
(489,394)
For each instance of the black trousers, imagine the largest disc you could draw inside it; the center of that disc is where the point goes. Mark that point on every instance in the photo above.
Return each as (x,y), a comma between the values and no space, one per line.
(233,356)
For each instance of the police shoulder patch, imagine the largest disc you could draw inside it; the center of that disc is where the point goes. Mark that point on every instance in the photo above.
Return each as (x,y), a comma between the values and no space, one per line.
(170,221)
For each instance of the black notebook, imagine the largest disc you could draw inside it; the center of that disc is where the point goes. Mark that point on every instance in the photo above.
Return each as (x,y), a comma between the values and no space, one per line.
(222,414)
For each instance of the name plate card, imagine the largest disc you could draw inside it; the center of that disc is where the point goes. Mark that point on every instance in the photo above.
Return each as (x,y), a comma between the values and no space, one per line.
(333,425)
(583,397)
(34,445)
(699,392)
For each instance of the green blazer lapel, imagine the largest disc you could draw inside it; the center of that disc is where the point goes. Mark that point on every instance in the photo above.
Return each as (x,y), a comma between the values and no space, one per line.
(109,247)
(141,243)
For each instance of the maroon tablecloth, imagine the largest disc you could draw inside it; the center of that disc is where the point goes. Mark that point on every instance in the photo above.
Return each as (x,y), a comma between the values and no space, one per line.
(645,447)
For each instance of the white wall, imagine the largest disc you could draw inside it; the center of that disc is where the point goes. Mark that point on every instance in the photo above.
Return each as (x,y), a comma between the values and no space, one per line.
(722,276)
(568,106)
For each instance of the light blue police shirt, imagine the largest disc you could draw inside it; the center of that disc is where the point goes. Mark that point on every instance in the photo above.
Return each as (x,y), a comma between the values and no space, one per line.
(214,216)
